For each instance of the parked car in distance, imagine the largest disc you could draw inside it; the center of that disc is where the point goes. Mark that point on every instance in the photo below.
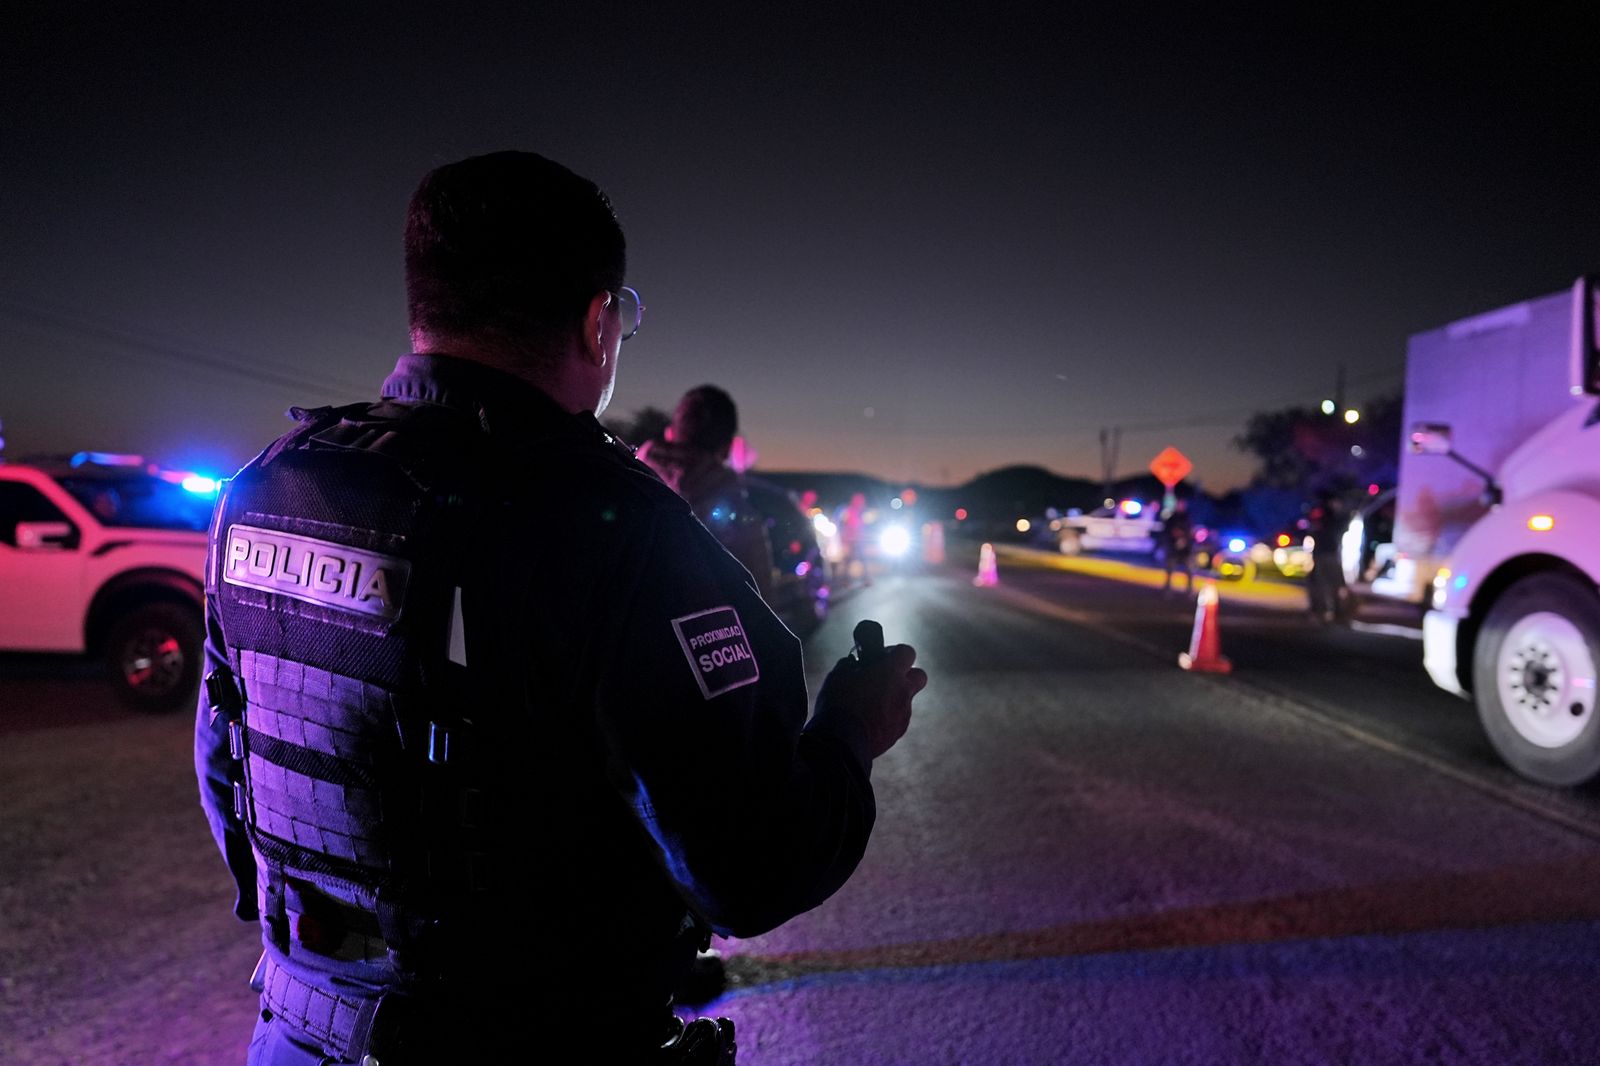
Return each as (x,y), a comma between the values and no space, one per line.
(1229,555)
(1291,552)
(105,555)
(1129,526)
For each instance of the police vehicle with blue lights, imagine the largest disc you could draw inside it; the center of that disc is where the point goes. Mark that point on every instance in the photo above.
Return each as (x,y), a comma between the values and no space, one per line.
(1127,526)
(1232,555)
(104,554)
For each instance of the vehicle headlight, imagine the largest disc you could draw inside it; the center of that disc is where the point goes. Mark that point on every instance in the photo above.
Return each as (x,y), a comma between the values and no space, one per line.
(895,541)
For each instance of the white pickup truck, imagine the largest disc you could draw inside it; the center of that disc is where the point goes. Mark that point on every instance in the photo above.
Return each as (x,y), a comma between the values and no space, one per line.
(105,554)
(1497,524)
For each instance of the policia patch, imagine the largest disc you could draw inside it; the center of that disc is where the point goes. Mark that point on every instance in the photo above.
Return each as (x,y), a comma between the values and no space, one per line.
(316,571)
(718,650)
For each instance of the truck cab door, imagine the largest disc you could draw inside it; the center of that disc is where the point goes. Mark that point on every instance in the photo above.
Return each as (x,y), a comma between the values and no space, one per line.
(1366,549)
(41,573)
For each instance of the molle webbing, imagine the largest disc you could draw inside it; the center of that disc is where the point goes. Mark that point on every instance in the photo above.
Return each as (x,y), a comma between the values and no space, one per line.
(342,794)
(319,744)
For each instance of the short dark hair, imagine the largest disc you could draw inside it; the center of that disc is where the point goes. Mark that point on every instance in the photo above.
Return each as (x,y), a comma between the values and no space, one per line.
(706,418)
(509,246)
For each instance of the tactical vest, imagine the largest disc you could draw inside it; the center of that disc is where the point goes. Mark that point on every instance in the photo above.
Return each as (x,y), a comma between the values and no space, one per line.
(337,570)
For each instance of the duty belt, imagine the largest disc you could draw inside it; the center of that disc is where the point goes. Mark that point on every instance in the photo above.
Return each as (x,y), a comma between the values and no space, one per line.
(382,1029)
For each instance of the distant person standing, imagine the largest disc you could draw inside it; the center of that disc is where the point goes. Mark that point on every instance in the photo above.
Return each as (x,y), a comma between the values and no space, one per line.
(852,532)
(1177,547)
(1325,589)
(693,461)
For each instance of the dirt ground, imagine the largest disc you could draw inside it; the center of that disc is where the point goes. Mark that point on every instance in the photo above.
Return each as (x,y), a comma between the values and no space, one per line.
(117,940)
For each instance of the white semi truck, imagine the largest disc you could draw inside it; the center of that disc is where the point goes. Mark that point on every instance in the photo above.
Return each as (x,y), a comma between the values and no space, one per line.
(1497,525)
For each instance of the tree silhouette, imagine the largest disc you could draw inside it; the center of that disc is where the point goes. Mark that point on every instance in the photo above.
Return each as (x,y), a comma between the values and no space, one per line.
(1305,450)
(1305,454)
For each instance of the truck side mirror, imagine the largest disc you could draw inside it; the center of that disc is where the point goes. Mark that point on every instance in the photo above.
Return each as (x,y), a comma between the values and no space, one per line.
(1433,438)
(46,536)
(1430,438)
(1585,350)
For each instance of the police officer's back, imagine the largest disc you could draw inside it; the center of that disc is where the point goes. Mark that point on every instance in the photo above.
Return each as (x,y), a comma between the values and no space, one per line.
(484,698)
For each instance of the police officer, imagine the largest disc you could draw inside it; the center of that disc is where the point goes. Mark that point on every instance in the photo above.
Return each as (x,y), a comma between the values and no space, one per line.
(494,733)
(693,459)
(1326,596)
(1177,547)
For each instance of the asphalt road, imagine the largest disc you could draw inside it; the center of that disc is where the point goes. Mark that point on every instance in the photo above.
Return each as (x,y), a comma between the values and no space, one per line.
(1083,855)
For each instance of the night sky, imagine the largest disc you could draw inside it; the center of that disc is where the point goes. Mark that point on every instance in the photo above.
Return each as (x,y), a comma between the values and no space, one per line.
(916,241)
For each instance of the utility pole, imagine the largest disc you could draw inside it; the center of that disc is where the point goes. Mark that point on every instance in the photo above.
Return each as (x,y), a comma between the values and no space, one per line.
(1110,444)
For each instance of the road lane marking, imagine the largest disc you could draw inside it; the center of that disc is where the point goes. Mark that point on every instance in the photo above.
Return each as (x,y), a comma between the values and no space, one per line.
(1266,594)
(1307,711)
(1387,629)
(1507,895)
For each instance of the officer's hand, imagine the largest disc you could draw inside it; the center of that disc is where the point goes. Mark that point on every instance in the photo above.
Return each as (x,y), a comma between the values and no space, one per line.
(874,696)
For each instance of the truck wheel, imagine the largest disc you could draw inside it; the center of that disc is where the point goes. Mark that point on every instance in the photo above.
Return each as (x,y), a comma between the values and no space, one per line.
(1533,674)
(153,656)
(1070,543)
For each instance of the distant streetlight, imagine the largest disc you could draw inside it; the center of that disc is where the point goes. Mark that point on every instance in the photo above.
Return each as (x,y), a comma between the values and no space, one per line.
(1352,416)
(1328,407)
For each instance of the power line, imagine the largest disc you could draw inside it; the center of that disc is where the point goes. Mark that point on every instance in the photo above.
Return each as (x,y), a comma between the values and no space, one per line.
(250,369)
(296,381)
(1220,417)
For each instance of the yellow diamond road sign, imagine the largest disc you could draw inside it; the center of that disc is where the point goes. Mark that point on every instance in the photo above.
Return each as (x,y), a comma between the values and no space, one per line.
(1171,467)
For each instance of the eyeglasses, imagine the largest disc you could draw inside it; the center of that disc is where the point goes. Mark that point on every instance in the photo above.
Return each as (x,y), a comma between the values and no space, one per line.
(631,310)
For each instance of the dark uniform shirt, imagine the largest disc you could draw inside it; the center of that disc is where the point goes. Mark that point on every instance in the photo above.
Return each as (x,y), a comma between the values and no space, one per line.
(647,724)
(1177,535)
(1327,532)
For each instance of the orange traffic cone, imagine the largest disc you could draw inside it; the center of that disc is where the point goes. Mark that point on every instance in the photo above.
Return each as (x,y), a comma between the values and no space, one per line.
(988,571)
(1205,646)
